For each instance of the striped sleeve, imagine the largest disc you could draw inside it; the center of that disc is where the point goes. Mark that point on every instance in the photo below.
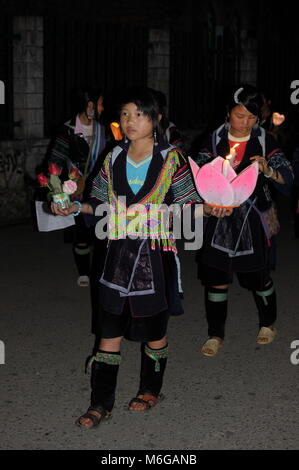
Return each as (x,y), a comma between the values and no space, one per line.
(60,151)
(99,188)
(183,188)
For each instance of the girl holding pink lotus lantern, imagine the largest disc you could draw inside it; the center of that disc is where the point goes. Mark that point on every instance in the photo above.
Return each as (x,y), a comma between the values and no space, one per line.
(235,170)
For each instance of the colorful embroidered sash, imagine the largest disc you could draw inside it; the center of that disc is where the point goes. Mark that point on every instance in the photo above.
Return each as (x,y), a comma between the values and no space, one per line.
(145,218)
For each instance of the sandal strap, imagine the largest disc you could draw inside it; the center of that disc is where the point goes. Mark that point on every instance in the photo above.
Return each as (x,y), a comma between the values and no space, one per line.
(95,419)
(99,409)
(138,400)
(148,399)
(103,414)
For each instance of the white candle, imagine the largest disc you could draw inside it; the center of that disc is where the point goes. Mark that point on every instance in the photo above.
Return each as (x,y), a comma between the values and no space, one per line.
(225,167)
(233,155)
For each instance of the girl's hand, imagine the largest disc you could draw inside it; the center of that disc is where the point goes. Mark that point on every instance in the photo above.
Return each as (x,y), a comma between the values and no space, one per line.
(57,210)
(263,165)
(219,212)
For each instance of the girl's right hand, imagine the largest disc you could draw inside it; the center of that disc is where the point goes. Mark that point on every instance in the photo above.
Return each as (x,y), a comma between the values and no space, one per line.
(219,212)
(57,209)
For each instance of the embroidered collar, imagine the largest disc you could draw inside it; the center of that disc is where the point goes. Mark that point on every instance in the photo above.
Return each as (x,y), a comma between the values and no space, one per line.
(162,145)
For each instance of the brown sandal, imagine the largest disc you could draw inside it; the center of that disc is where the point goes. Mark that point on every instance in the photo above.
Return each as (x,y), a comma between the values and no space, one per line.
(95,419)
(148,400)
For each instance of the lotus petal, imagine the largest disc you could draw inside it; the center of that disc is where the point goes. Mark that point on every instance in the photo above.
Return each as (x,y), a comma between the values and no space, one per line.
(243,185)
(194,167)
(213,187)
(217,163)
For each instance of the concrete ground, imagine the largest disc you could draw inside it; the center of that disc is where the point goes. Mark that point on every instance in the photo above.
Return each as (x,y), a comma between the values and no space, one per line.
(245,398)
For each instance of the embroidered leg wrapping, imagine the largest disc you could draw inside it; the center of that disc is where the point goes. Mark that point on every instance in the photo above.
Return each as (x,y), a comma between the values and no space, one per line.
(266,304)
(82,255)
(216,310)
(104,372)
(153,364)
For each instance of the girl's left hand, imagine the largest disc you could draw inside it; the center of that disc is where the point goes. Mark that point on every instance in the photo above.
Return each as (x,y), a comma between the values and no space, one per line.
(263,165)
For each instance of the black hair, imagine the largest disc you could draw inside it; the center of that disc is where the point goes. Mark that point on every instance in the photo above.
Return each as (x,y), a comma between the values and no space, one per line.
(146,101)
(161,98)
(249,97)
(81,96)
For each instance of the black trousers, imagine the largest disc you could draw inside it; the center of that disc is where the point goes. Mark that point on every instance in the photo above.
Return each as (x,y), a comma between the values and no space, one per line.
(83,235)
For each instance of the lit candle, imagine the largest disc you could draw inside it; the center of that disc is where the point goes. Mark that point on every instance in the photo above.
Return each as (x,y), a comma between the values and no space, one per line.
(233,155)
(114,126)
(229,160)
(225,166)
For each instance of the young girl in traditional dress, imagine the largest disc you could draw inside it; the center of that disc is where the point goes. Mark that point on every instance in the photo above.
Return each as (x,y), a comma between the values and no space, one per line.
(138,285)
(240,244)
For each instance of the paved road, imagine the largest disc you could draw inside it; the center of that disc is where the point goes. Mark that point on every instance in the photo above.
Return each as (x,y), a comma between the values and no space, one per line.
(245,398)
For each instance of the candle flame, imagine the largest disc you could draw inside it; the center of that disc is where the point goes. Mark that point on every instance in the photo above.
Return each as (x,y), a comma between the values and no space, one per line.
(115,128)
(229,156)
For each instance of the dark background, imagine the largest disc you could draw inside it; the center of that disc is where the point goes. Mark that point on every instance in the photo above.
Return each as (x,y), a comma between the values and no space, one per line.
(107,41)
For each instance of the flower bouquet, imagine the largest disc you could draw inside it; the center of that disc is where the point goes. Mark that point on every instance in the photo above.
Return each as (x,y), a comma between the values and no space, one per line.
(59,191)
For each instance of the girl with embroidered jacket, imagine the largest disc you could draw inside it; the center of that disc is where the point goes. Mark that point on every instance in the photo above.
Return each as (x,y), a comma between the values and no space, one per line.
(240,243)
(138,285)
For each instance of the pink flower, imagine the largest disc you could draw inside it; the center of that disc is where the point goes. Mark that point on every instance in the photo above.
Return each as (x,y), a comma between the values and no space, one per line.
(74,174)
(69,187)
(54,169)
(42,179)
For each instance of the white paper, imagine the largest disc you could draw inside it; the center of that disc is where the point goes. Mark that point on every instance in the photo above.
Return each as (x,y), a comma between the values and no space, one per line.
(46,221)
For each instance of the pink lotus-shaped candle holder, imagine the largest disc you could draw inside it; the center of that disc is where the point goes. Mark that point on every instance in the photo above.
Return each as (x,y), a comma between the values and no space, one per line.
(219,185)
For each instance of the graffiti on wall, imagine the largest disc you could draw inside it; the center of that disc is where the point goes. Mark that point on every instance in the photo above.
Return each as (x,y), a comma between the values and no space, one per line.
(13,194)
(11,169)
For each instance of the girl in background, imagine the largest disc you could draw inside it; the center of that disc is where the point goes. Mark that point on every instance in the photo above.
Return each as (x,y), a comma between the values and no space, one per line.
(78,143)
